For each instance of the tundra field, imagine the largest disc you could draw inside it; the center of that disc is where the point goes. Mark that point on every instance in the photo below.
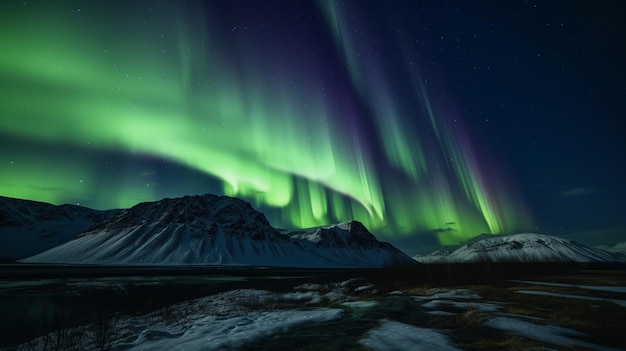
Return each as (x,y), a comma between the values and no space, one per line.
(457,308)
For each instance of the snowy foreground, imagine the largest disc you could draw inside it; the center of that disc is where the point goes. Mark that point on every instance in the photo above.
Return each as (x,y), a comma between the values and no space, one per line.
(333,316)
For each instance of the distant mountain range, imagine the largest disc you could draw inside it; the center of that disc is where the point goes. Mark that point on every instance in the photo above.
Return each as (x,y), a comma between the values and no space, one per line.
(523,248)
(616,248)
(30,227)
(206,229)
(220,230)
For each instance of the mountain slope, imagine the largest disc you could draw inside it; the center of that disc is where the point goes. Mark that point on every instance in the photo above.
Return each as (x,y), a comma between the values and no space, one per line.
(524,248)
(215,230)
(437,256)
(619,248)
(29,227)
(348,242)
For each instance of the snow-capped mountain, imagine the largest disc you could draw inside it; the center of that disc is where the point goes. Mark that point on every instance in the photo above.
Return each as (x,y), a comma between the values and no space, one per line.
(217,230)
(30,227)
(348,241)
(438,256)
(615,248)
(524,248)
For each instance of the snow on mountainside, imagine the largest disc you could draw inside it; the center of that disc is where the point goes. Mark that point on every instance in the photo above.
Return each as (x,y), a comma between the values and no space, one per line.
(30,227)
(348,241)
(524,248)
(216,230)
(615,248)
(438,256)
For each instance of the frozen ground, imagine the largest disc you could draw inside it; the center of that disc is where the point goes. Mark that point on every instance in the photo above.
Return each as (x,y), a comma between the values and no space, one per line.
(392,336)
(570,296)
(223,333)
(334,316)
(617,289)
(547,333)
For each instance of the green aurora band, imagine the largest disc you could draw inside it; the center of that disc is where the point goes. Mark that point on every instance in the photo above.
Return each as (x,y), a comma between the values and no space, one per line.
(269,126)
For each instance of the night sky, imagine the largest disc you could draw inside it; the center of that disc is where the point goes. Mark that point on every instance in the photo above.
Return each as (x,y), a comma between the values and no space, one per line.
(429,121)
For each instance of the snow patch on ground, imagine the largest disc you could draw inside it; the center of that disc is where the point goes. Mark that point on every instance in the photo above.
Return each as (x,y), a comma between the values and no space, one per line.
(224,321)
(617,289)
(580,297)
(391,335)
(359,304)
(448,298)
(439,294)
(480,306)
(308,298)
(218,333)
(364,288)
(334,291)
(545,333)
(334,296)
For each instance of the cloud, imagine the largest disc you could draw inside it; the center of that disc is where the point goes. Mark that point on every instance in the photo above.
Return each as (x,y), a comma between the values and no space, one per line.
(450,223)
(579,191)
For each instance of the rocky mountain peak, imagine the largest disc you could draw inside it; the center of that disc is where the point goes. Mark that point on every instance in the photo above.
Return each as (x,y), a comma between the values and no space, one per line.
(340,235)
(218,230)
(201,214)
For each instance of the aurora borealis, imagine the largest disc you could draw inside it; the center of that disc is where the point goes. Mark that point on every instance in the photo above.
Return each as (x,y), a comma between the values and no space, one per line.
(315,112)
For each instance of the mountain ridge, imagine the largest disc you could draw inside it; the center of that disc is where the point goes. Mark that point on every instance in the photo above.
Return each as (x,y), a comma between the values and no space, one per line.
(28,227)
(525,247)
(218,230)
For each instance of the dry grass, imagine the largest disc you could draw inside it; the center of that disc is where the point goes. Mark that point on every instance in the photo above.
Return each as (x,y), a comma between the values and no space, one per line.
(603,321)
(470,319)
(502,341)
(582,277)
(511,342)
(418,290)
(469,333)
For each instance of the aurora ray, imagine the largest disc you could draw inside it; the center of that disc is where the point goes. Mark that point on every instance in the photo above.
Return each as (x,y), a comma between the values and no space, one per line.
(268,118)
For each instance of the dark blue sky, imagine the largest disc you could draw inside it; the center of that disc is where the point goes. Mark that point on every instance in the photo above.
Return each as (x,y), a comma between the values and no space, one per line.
(543,84)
